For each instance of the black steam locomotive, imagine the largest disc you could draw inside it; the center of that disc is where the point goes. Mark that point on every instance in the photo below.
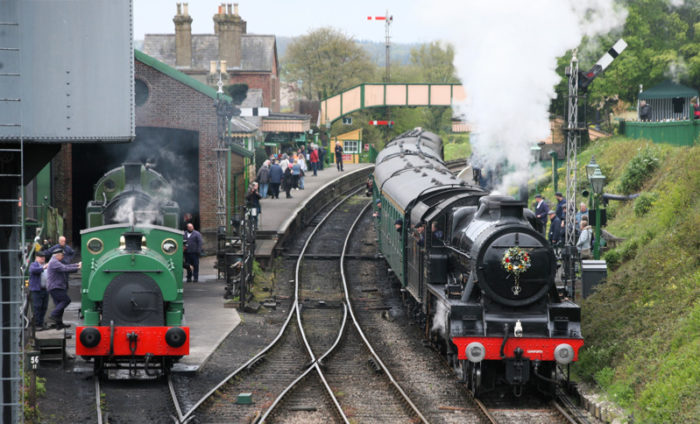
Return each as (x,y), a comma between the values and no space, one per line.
(479,272)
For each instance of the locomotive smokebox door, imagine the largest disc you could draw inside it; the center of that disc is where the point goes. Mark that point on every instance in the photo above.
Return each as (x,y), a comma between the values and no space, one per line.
(133,298)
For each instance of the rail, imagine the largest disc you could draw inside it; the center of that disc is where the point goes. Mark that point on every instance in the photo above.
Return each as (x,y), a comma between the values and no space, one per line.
(252,361)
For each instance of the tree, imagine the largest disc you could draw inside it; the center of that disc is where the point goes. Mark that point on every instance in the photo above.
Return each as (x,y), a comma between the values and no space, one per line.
(327,62)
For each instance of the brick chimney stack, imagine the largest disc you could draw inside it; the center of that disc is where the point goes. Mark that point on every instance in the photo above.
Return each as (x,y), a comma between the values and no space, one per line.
(229,26)
(183,37)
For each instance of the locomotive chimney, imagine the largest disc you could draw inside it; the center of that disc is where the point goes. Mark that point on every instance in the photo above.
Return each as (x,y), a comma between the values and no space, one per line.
(132,241)
(132,173)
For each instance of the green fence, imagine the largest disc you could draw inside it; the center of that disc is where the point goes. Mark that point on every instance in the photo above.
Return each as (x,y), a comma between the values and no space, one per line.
(369,156)
(680,133)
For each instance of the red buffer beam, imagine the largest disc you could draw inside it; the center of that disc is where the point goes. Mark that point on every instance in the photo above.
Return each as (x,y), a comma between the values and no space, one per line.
(389,123)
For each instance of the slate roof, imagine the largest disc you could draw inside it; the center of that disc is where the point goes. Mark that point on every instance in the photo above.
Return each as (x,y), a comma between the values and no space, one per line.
(257,51)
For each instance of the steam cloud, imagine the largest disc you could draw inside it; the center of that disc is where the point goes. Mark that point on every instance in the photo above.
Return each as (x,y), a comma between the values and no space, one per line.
(506,56)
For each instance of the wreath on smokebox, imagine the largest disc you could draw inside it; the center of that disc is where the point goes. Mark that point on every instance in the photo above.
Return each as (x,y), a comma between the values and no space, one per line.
(516,261)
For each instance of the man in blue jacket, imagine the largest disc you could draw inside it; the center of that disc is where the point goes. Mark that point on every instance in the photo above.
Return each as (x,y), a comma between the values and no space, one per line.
(193,248)
(556,232)
(67,250)
(541,210)
(37,287)
(276,173)
(57,285)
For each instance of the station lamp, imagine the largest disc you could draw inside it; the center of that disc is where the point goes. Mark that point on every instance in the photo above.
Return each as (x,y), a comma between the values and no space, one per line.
(591,167)
(597,181)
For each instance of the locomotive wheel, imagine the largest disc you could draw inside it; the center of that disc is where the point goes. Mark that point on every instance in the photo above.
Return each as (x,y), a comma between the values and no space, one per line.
(475,379)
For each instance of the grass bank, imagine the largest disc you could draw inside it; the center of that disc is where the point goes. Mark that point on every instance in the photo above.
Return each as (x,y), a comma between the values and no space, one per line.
(642,327)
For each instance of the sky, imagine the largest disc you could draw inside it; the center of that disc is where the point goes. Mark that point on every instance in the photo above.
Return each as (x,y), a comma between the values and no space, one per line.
(291,18)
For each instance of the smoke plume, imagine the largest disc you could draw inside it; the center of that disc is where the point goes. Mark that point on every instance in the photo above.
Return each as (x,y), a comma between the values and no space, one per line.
(506,57)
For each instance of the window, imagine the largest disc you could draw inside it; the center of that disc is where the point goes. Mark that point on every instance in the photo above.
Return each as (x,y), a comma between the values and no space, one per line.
(141,92)
(351,146)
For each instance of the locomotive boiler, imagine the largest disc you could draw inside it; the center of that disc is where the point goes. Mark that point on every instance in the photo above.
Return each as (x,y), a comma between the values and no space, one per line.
(480,274)
(131,295)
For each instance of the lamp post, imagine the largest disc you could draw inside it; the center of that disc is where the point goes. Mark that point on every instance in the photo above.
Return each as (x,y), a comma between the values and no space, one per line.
(555,175)
(590,170)
(597,181)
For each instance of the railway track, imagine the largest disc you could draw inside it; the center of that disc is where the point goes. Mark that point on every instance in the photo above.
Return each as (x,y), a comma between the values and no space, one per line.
(289,357)
(141,398)
(356,381)
(318,366)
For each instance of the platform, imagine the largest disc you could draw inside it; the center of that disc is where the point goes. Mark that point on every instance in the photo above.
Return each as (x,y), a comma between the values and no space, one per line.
(277,215)
(209,321)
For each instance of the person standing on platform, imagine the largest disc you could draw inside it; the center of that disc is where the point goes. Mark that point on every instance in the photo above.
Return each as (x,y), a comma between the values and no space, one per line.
(541,211)
(276,173)
(561,205)
(313,158)
(287,181)
(321,156)
(296,174)
(38,276)
(67,250)
(302,165)
(253,201)
(193,248)
(57,285)
(338,156)
(555,230)
(583,211)
(263,178)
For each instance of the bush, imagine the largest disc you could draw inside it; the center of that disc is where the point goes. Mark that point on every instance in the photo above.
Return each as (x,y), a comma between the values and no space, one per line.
(612,258)
(628,250)
(638,170)
(644,203)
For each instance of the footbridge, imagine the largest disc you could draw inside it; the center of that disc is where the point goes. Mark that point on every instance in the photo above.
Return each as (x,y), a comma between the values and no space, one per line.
(370,95)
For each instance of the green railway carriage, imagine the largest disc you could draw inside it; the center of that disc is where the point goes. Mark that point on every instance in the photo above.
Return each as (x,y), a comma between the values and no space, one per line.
(410,180)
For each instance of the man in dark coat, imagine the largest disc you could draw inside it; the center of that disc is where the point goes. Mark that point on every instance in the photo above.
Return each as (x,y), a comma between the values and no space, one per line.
(263,178)
(556,232)
(57,285)
(68,252)
(561,205)
(644,111)
(37,286)
(338,156)
(541,210)
(321,157)
(193,248)
(287,180)
(276,173)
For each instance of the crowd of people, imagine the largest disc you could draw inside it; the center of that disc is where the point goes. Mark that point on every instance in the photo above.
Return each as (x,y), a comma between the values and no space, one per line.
(285,172)
(557,224)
